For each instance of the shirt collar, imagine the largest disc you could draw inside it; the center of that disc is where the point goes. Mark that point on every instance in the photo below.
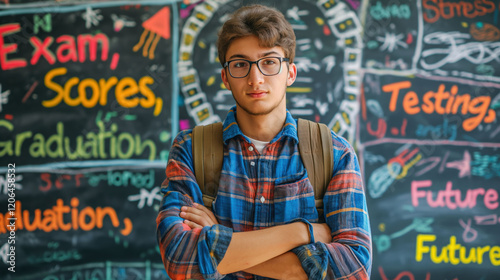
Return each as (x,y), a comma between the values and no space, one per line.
(231,128)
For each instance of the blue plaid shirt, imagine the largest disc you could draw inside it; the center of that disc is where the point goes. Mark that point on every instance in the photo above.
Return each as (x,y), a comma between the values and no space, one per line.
(258,191)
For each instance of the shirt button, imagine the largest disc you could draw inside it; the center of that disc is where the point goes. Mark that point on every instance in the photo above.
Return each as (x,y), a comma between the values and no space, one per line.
(252,163)
(250,148)
(262,199)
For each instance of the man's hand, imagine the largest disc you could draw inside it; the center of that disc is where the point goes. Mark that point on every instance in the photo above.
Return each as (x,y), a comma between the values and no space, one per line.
(198,216)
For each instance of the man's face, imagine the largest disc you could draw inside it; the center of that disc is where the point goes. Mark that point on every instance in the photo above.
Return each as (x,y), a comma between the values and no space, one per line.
(256,93)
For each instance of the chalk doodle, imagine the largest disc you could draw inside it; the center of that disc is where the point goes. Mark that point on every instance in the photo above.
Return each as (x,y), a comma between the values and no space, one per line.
(92,17)
(157,26)
(383,242)
(4,97)
(146,198)
(396,169)
(120,22)
(392,42)
(458,49)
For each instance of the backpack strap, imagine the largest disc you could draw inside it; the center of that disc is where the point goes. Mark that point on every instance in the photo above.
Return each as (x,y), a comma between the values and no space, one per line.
(315,147)
(208,152)
(316,151)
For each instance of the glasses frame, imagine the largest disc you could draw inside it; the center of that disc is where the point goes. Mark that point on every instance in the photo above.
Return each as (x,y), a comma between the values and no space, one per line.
(256,62)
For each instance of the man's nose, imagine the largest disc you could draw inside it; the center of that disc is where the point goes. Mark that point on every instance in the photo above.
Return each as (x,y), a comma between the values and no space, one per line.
(255,76)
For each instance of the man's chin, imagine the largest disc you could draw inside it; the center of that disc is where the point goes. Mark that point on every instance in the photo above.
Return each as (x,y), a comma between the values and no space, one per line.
(256,110)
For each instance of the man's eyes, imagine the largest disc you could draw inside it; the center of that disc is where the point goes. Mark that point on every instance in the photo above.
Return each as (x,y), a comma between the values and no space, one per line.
(269,62)
(263,62)
(240,64)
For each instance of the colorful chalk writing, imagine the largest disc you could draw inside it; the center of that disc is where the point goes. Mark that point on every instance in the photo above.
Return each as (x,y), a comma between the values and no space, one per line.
(435,10)
(86,118)
(102,144)
(53,219)
(429,137)
(125,89)
(452,199)
(443,102)
(449,254)
(92,94)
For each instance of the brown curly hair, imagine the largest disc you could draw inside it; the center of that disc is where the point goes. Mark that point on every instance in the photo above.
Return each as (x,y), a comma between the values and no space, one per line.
(267,24)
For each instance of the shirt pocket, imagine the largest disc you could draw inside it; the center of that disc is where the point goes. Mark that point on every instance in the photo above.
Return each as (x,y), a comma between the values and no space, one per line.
(294,198)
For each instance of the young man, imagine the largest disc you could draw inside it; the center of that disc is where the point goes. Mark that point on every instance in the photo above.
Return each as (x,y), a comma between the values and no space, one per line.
(264,221)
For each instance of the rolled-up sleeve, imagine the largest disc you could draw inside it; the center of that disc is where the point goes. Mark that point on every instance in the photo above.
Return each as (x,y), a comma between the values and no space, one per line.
(187,253)
(349,255)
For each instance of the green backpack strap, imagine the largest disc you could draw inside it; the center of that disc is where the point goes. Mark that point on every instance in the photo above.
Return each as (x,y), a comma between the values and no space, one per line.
(208,152)
(316,151)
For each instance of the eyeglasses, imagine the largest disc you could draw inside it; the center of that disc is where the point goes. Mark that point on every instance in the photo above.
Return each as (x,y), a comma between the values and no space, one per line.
(268,66)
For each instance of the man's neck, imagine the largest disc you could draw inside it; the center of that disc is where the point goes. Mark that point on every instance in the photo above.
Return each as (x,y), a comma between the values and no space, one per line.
(261,127)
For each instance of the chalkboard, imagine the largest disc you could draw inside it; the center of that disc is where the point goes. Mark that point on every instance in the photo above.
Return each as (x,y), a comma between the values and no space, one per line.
(429,135)
(92,93)
(86,125)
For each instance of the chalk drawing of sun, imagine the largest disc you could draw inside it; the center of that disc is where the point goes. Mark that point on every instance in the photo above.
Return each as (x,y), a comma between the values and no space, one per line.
(155,27)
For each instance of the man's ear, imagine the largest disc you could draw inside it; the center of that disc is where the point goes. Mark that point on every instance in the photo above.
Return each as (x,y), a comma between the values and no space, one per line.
(223,75)
(292,74)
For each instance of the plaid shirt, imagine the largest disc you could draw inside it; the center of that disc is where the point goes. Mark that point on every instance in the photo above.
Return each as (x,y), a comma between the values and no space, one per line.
(258,191)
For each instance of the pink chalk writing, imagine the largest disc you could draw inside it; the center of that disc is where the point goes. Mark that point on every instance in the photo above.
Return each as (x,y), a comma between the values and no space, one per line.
(452,198)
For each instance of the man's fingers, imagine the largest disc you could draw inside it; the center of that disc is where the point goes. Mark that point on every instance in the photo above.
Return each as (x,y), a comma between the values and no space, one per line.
(192,224)
(198,217)
(192,210)
(207,211)
(191,217)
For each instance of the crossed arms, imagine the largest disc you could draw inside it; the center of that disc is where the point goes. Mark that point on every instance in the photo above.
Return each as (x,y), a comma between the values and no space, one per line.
(194,245)
(262,252)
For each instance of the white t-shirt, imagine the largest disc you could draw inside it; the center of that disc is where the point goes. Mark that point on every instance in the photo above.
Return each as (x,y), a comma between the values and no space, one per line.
(259,145)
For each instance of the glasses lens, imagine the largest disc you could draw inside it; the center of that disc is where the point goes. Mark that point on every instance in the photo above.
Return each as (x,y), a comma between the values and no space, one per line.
(239,68)
(269,65)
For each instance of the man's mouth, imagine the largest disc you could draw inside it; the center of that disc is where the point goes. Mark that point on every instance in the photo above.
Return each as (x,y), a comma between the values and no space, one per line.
(257,94)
